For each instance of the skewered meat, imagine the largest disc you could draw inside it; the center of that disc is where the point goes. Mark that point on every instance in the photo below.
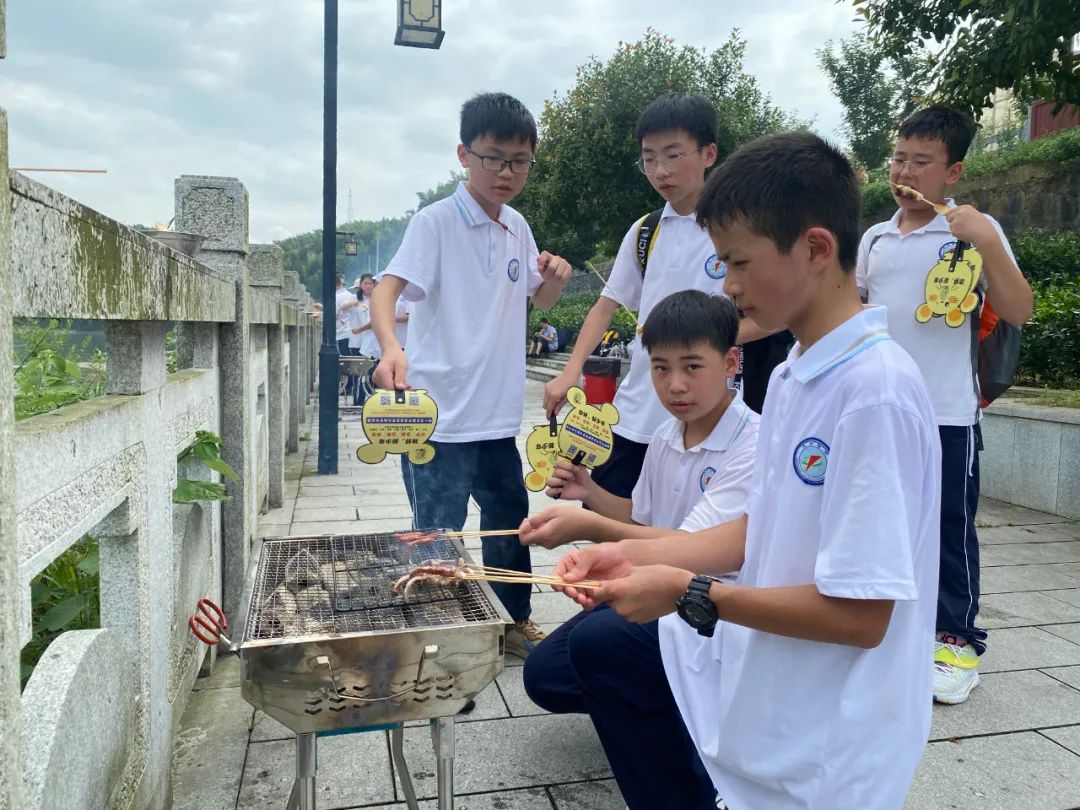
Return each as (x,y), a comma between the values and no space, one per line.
(436,572)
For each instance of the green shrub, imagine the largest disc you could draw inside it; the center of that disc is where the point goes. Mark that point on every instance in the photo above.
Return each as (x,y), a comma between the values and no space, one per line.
(1048,258)
(1050,348)
(1062,148)
(875,196)
(570,311)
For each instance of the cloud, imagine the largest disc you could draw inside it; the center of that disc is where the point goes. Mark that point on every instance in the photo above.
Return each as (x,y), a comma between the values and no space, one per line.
(153,90)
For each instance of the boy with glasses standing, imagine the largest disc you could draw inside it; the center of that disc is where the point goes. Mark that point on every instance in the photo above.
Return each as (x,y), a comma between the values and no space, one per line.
(468,263)
(677,134)
(898,263)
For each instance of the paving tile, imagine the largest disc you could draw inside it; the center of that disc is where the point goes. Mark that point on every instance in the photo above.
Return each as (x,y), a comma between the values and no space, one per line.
(1067,675)
(550,607)
(1008,701)
(527,799)
(508,754)
(1024,609)
(381,508)
(1070,596)
(1066,631)
(209,750)
(326,513)
(325,501)
(1068,736)
(328,527)
(354,769)
(1027,648)
(512,688)
(226,674)
(599,795)
(1029,553)
(1006,771)
(266,728)
(331,488)
(998,513)
(1013,578)
(1048,533)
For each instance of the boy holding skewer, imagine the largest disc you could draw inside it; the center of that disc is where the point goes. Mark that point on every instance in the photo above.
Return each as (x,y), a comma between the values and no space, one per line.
(468,263)
(803,684)
(895,258)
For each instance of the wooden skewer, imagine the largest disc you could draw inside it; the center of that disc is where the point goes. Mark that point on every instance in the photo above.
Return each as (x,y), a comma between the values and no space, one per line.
(478,533)
(908,191)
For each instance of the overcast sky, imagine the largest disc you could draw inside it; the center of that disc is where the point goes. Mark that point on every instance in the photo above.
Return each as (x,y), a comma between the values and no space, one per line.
(151,89)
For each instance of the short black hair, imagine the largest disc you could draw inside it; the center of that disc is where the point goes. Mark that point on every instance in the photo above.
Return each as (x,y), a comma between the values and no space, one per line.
(780,185)
(544,320)
(695,115)
(955,128)
(690,316)
(499,115)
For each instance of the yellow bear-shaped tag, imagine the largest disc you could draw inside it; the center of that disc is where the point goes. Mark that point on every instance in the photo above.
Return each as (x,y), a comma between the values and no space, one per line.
(585,436)
(542,450)
(950,287)
(398,422)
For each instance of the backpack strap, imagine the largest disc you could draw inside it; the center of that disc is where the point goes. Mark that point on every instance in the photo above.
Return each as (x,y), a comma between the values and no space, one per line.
(647,229)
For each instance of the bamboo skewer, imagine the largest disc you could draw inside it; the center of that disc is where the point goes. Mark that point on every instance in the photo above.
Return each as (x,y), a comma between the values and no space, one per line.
(479,533)
(908,191)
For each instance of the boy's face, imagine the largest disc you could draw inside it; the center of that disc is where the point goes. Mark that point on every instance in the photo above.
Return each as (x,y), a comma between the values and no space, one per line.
(769,287)
(501,186)
(676,178)
(691,381)
(923,164)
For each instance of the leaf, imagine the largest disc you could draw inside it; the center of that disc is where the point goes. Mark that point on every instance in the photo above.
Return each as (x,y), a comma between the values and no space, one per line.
(188,491)
(91,563)
(61,615)
(220,466)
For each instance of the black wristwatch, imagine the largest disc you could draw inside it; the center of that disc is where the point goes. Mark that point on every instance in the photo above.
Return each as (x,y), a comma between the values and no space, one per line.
(696,608)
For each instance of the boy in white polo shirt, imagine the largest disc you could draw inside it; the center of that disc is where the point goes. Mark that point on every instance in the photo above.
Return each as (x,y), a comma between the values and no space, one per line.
(469,263)
(895,259)
(677,134)
(804,684)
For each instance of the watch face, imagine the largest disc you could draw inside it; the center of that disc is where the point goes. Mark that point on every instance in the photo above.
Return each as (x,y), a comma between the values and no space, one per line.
(696,614)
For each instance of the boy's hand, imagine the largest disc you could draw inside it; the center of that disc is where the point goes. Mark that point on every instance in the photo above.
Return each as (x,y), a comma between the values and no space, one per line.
(390,373)
(646,593)
(554,526)
(553,268)
(968,225)
(571,482)
(603,561)
(555,393)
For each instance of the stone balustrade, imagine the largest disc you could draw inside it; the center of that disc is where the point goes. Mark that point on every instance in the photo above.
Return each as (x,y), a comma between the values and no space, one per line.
(95,724)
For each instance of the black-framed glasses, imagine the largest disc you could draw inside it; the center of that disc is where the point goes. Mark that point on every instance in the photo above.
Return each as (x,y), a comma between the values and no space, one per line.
(915,167)
(494,163)
(649,164)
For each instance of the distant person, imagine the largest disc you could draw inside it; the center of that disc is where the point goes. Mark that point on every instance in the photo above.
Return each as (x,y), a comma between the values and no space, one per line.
(360,326)
(899,261)
(662,253)
(469,264)
(544,340)
(344,301)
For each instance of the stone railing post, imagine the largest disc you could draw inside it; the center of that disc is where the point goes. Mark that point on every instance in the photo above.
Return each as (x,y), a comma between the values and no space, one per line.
(217,208)
(290,293)
(10,772)
(266,268)
(314,344)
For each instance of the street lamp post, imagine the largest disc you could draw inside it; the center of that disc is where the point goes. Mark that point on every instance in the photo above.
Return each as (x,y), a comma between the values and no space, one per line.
(328,352)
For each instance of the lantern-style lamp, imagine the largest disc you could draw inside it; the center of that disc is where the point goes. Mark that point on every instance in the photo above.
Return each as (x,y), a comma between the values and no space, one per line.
(419,23)
(350,247)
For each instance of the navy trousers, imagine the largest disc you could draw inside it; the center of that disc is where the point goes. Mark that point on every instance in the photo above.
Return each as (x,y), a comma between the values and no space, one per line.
(601,665)
(958,585)
(489,471)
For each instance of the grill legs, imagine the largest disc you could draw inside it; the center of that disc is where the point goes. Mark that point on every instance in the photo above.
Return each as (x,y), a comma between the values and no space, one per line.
(397,752)
(303,790)
(442,736)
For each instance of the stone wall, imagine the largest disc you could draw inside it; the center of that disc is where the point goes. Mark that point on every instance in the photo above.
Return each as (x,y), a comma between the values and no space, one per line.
(95,725)
(1035,196)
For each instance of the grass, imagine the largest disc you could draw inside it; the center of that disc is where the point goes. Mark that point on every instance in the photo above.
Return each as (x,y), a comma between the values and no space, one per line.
(1054,399)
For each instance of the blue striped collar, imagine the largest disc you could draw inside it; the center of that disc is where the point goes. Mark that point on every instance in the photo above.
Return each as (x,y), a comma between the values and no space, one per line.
(853,336)
(471,211)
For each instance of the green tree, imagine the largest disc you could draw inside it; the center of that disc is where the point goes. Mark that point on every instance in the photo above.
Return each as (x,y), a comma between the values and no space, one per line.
(876,93)
(585,191)
(981,45)
(441,191)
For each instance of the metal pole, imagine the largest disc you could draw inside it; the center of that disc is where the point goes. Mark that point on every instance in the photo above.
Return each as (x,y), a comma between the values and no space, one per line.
(328,353)
(442,735)
(306,767)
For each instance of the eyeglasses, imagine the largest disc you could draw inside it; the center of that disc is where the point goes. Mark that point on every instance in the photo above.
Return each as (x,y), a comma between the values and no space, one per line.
(493,163)
(915,167)
(649,165)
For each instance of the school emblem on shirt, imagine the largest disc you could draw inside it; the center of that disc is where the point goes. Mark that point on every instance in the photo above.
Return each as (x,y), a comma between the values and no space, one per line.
(706,476)
(714,268)
(946,248)
(810,459)
(513,270)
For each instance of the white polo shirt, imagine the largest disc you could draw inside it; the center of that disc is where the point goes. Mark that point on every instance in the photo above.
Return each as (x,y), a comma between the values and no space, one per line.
(469,279)
(683,258)
(892,270)
(674,480)
(845,496)
(341,297)
(359,316)
(401,309)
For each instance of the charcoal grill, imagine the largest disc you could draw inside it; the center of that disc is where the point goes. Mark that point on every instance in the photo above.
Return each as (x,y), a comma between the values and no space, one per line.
(326,646)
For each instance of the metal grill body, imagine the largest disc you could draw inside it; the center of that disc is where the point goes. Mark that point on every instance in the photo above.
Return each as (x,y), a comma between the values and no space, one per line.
(327,646)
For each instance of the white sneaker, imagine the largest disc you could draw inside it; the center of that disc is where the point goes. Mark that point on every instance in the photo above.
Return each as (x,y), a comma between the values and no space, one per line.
(956,670)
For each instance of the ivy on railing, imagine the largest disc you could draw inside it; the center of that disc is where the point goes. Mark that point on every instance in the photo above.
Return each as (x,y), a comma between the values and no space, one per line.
(207,451)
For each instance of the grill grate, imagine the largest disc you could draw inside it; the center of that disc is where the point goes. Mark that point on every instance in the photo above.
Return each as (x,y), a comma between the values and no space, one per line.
(342,584)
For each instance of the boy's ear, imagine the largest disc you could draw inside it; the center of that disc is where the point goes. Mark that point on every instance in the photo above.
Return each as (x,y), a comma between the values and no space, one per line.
(822,246)
(953,172)
(462,156)
(731,362)
(710,154)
